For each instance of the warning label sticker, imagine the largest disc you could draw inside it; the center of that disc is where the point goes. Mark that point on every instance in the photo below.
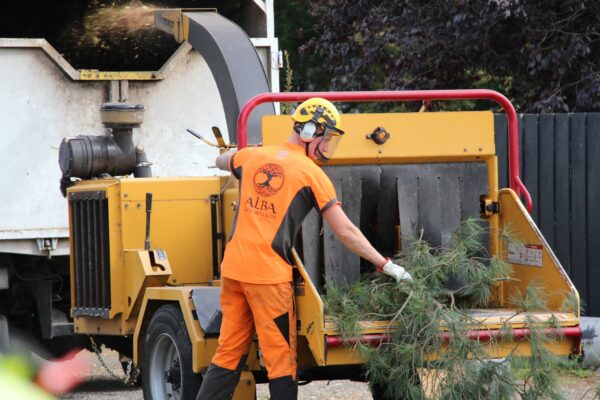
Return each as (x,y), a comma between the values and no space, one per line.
(525,254)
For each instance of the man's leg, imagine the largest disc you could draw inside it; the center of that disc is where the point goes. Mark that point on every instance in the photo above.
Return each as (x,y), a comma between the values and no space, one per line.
(237,330)
(275,320)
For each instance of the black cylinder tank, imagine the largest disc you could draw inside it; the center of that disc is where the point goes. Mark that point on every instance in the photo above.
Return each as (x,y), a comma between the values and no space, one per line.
(87,156)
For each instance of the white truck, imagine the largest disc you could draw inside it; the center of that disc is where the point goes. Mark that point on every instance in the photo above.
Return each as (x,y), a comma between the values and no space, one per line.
(44,99)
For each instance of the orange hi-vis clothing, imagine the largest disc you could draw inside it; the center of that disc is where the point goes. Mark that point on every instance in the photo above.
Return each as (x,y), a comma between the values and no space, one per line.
(269,308)
(248,308)
(279,185)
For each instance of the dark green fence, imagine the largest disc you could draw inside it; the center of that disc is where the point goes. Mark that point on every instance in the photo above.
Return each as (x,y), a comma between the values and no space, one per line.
(560,165)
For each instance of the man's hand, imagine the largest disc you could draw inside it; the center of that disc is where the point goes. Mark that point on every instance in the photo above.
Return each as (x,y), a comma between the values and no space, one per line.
(396,271)
(222,160)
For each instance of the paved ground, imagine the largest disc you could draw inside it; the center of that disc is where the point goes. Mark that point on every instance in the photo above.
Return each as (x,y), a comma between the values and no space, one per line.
(101,386)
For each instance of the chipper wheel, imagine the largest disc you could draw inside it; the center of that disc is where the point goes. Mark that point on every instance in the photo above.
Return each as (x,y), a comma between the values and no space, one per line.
(378,391)
(167,359)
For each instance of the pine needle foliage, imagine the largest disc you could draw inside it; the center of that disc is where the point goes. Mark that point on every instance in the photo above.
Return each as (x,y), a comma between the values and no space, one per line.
(286,108)
(449,283)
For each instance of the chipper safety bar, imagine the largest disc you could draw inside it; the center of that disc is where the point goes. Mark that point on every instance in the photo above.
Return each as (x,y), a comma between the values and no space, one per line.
(411,95)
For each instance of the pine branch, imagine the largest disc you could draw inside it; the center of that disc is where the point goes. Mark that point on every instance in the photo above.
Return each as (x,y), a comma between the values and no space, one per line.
(447,283)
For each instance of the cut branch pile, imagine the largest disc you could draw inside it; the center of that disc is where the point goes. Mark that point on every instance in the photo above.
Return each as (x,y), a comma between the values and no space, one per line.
(418,361)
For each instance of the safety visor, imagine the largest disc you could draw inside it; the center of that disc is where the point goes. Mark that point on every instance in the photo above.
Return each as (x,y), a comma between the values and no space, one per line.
(327,146)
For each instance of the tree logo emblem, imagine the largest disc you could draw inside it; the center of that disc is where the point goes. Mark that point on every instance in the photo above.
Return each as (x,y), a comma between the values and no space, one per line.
(268,179)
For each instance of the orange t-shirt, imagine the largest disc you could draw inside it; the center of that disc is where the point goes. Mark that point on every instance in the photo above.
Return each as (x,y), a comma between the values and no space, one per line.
(279,185)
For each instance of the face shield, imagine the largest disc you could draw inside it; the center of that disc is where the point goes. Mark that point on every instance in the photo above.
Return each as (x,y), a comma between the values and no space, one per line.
(328,143)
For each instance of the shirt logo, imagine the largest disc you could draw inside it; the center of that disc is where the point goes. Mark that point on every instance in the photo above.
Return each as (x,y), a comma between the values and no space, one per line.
(268,179)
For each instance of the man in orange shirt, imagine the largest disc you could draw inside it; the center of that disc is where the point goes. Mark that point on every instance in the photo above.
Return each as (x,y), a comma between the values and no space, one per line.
(279,185)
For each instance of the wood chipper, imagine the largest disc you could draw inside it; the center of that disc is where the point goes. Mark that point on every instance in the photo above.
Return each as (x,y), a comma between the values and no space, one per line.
(146,251)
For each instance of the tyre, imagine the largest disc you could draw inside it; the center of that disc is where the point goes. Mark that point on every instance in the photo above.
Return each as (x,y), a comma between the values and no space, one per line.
(378,392)
(167,358)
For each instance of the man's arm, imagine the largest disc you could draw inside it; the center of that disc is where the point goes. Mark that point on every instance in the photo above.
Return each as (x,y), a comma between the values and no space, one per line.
(355,241)
(223,161)
(351,236)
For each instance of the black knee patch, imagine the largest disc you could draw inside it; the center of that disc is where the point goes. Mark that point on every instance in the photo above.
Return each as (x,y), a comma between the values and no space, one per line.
(284,388)
(219,383)
(241,364)
(283,324)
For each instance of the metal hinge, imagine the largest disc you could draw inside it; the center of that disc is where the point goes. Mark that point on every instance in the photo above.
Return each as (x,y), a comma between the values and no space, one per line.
(489,207)
(47,244)
(277,59)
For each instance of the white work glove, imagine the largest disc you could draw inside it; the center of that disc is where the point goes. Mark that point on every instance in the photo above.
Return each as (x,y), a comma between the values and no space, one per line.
(396,271)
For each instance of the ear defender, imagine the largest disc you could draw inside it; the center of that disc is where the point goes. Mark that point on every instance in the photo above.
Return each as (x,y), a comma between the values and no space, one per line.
(309,128)
(307,133)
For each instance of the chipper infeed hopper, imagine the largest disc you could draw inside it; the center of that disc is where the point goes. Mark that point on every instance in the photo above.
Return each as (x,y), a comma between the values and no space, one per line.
(430,171)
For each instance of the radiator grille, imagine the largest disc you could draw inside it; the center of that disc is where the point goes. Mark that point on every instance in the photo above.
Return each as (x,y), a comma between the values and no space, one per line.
(89,216)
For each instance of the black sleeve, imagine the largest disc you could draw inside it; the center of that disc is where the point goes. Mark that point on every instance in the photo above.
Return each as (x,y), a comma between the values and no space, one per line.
(235,172)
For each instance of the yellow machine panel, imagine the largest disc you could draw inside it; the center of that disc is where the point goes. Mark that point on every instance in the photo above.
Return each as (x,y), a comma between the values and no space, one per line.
(531,257)
(180,223)
(181,244)
(413,137)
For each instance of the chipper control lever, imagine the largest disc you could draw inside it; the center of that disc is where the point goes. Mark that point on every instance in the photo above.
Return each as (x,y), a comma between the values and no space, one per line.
(220,142)
(148,212)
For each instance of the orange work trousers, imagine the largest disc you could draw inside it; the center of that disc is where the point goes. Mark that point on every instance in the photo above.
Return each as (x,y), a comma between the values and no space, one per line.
(267,309)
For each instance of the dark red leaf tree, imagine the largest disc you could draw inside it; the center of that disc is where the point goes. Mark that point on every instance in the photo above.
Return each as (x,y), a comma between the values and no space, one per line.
(543,54)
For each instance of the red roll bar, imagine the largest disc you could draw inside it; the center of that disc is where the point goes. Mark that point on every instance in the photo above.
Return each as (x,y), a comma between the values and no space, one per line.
(462,94)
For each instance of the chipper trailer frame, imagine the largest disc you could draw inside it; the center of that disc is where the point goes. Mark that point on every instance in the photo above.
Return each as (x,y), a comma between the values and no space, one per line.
(146,251)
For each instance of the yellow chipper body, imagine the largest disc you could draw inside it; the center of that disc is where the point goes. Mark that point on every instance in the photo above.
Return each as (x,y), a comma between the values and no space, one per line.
(434,170)
(145,252)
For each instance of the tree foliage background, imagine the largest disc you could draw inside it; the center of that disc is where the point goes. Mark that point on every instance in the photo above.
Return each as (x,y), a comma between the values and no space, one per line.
(543,54)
